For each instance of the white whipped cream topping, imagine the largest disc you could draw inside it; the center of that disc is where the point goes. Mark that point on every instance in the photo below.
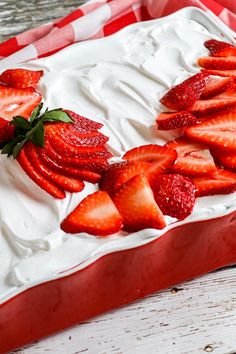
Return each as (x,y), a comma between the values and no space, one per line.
(117,81)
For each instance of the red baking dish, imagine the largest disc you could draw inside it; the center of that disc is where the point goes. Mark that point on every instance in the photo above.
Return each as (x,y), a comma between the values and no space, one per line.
(184,252)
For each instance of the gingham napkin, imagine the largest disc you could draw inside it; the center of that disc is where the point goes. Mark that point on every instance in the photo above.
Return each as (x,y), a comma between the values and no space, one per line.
(97,19)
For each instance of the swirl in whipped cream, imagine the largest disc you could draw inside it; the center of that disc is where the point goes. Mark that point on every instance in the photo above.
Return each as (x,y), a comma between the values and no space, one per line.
(117,81)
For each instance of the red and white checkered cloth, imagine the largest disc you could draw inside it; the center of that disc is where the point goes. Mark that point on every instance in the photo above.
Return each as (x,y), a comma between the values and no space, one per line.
(100,18)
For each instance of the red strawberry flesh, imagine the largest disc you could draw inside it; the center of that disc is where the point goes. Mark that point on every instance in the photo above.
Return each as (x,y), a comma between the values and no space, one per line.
(193,158)
(168,121)
(216,63)
(40,180)
(218,132)
(219,48)
(136,204)
(21,78)
(219,182)
(175,195)
(185,94)
(96,215)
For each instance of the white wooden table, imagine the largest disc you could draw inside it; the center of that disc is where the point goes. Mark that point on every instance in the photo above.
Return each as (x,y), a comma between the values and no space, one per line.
(198,317)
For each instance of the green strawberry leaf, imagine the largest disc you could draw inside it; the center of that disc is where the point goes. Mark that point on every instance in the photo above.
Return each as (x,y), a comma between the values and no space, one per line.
(37,137)
(32,129)
(36,113)
(8,148)
(57,115)
(17,148)
(21,123)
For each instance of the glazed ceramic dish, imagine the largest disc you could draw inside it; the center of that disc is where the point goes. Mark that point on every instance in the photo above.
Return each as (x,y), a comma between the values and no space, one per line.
(51,280)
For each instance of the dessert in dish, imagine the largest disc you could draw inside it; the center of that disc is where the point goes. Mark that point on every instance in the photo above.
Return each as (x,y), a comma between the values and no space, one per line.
(136,152)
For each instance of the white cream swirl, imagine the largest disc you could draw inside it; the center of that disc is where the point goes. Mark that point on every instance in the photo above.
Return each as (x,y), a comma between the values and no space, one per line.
(117,81)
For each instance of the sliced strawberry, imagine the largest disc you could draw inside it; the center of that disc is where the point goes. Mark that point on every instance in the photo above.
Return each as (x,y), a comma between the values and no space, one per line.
(17,102)
(175,195)
(93,164)
(87,139)
(226,158)
(185,94)
(40,180)
(160,156)
(220,49)
(21,78)
(219,182)
(167,121)
(193,159)
(219,132)
(95,215)
(136,204)
(228,63)
(216,86)
(222,102)
(119,173)
(83,125)
(65,149)
(69,184)
(74,172)
(225,73)
(6,130)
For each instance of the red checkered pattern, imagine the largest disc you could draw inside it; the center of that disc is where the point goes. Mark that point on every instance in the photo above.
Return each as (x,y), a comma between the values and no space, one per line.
(101,18)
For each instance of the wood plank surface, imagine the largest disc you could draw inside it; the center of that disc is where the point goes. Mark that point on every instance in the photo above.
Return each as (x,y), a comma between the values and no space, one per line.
(198,317)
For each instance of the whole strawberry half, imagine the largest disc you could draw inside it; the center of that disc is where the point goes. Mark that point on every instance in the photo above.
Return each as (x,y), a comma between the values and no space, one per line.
(175,195)
(136,204)
(185,94)
(218,182)
(95,215)
(220,49)
(21,78)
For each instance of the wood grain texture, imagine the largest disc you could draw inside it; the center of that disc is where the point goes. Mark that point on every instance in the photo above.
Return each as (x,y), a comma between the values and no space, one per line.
(19,15)
(199,318)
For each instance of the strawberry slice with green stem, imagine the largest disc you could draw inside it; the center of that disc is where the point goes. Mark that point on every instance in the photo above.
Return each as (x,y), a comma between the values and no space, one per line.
(96,215)
(220,49)
(21,78)
(218,132)
(168,121)
(193,159)
(184,95)
(218,182)
(136,204)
